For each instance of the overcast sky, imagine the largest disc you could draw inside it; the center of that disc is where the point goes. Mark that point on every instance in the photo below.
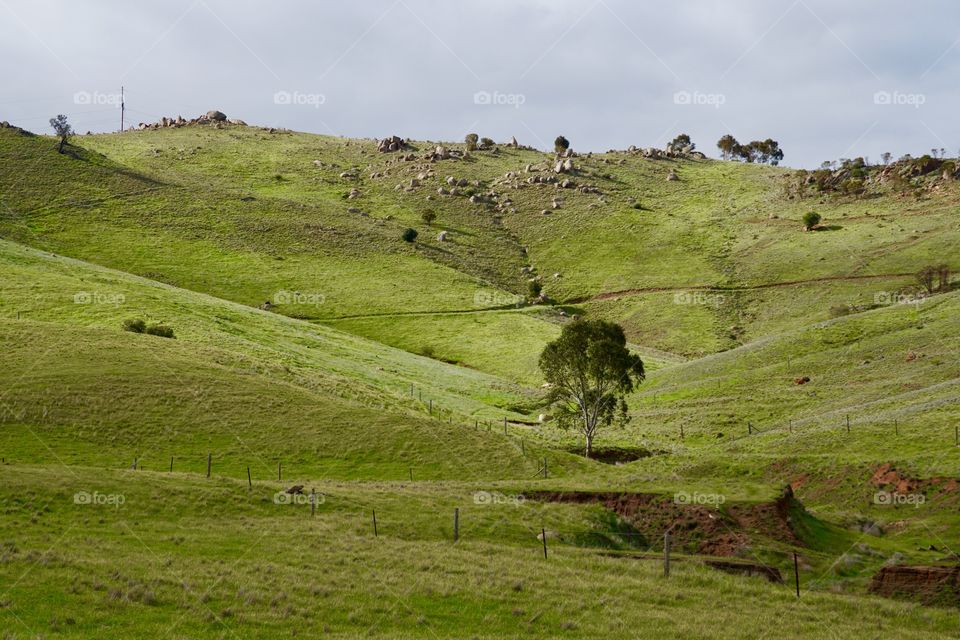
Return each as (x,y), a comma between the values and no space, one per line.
(827,79)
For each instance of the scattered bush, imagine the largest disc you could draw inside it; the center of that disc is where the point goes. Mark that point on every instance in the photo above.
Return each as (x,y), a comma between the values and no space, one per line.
(409,235)
(471,141)
(62,129)
(487,143)
(534,288)
(160,330)
(561,144)
(428,217)
(135,325)
(935,278)
(840,310)
(810,220)
(682,142)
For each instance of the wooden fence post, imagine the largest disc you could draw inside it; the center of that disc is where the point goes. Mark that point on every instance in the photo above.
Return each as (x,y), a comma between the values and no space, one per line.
(543,534)
(796,572)
(209,461)
(848,423)
(504,425)
(456,524)
(279,471)
(666,554)
(171,464)
(313,501)
(375,534)
(249,479)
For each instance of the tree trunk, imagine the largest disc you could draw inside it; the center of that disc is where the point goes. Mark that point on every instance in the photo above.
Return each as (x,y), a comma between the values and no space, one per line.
(589,449)
(60,148)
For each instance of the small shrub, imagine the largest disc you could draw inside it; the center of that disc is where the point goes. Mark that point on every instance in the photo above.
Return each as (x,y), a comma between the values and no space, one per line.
(428,217)
(487,143)
(409,235)
(134,325)
(534,288)
(810,220)
(840,310)
(471,141)
(561,144)
(160,330)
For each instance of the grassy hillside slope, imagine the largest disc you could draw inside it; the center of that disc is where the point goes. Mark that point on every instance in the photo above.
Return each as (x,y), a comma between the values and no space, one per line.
(697,265)
(252,387)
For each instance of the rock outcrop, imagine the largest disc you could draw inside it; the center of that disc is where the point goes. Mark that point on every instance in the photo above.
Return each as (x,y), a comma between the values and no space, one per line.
(212,117)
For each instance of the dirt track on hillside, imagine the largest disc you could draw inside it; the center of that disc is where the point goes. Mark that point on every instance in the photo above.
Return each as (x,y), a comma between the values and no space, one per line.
(750,287)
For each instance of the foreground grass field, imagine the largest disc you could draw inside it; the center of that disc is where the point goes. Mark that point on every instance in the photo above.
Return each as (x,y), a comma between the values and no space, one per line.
(184,557)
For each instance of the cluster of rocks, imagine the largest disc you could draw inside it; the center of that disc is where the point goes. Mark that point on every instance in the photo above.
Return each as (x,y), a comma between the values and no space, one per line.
(908,169)
(438,152)
(442,153)
(213,117)
(686,151)
(7,125)
(391,144)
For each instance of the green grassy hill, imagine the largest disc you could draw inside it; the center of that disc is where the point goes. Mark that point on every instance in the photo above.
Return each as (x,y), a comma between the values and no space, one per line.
(693,266)
(252,387)
(312,341)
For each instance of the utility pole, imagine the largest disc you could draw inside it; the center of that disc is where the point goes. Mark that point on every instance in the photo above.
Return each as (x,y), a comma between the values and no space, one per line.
(122,108)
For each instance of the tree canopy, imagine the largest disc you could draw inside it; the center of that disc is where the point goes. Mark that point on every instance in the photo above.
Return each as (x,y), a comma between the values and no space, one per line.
(590,370)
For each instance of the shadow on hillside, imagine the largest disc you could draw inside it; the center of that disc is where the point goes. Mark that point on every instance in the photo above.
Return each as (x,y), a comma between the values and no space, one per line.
(99,161)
